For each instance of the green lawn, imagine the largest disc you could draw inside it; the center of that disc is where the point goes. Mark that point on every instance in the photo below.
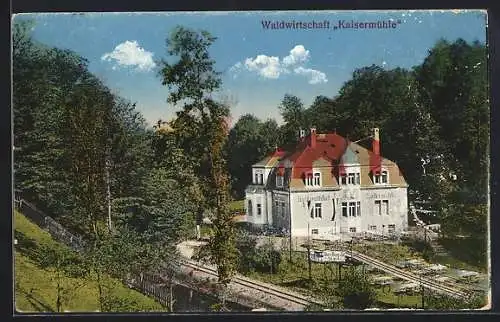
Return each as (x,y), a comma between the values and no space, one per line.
(36,288)
(295,276)
(237,205)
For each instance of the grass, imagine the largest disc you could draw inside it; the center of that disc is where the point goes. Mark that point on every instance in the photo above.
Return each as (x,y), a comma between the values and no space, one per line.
(237,205)
(36,287)
(295,276)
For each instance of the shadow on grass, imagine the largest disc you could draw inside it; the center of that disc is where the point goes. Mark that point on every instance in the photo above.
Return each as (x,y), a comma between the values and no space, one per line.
(471,251)
(39,305)
(28,247)
(304,283)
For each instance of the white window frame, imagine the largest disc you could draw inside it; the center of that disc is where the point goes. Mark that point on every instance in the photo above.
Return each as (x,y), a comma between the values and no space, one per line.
(351,178)
(343,179)
(345,209)
(386,202)
(280,181)
(391,228)
(372,227)
(318,210)
(352,208)
(309,179)
(261,178)
(315,231)
(352,229)
(358,178)
(259,207)
(378,179)
(358,208)
(378,207)
(317,179)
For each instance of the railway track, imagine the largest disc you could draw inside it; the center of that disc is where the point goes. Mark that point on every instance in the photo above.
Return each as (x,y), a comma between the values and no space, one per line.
(258,286)
(425,282)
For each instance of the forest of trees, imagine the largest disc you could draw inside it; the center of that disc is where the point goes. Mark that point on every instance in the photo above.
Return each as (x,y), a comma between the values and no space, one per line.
(85,155)
(436,111)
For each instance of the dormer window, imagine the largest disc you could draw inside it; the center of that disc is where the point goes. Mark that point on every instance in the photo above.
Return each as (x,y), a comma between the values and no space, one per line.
(280,180)
(317,179)
(381,177)
(309,179)
(258,177)
(313,179)
(350,178)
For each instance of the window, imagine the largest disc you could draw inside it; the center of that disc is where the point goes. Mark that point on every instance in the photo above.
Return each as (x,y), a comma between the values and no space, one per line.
(350,178)
(309,179)
(279,181)
(317,210)
(358,181)
(277,207)
(317,179)
(391,228)
(358,204)
(259,209)
(352,229)
(384,176)
(261,178)
(385,207)
(378,209)
(250,209)
(343,179)
(283,209)
(382,207)
(372,227)
(256,179)
(381,177)
(352,209)
(344,209)
(314,231)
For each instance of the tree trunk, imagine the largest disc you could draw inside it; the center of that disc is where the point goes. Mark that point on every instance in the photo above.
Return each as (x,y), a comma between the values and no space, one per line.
(108,194)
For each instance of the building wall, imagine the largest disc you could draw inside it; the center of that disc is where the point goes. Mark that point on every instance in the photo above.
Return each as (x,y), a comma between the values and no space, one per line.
(253,217)
(281,219)
(301,218)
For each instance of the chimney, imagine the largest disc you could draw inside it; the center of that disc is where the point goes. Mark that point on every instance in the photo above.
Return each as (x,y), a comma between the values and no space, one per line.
(375,159)
(376,142)
(313,137)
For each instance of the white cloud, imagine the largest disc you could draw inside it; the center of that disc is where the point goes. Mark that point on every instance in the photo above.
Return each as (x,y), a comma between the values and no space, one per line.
(315,76)
(130,54)
(273,67)
(298,55)
(266,66)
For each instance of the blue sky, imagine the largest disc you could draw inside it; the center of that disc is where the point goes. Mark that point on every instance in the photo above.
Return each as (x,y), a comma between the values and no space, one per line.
(259,65)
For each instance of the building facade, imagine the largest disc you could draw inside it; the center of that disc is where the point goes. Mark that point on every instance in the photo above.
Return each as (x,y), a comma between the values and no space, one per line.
(328,186)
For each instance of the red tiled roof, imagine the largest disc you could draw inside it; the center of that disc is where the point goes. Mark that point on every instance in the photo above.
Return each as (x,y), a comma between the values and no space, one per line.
(330,147)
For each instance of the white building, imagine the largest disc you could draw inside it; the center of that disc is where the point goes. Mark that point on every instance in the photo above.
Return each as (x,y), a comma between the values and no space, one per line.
(327,186)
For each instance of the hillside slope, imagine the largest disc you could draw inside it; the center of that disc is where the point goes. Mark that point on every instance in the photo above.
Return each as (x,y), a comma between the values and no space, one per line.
(36,287)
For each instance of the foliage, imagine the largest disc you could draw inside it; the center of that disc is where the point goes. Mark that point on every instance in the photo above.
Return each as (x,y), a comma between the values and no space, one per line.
(294,114)
(356,290)
(201,130)
(442,302)
(250,140)
(43,267)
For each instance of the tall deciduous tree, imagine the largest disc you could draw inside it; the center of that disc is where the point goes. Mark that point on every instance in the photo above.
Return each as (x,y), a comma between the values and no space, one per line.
(202,130)
(293,112)
(249,141)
